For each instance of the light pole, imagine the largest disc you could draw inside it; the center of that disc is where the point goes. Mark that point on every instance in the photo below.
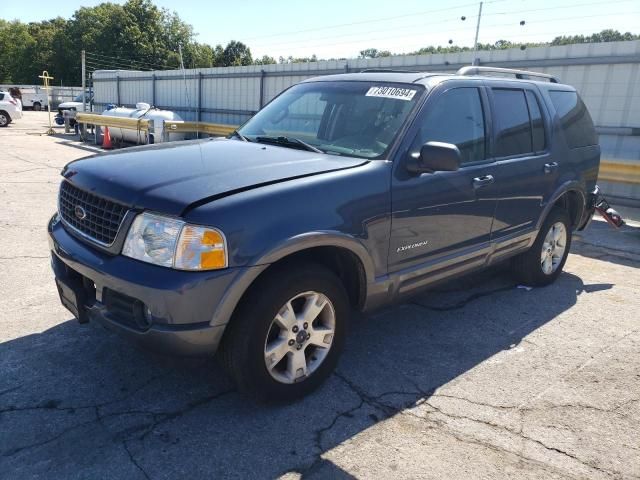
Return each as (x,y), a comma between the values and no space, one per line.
(476,60)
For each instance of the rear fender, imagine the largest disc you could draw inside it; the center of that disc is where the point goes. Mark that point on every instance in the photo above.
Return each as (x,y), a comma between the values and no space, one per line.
(571,186)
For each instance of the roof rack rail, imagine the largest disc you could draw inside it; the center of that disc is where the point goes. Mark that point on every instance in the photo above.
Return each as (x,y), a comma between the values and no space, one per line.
(519,74)
(388,70)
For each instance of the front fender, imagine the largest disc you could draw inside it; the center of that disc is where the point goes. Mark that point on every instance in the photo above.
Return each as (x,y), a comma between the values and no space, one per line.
(308,240)
(290,246)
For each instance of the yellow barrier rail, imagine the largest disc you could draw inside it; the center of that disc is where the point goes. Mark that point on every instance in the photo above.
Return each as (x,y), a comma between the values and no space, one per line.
(619,172)
(141,124)
(216,129)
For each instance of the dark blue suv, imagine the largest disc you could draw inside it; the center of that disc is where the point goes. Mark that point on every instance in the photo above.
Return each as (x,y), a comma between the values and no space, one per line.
(345,192)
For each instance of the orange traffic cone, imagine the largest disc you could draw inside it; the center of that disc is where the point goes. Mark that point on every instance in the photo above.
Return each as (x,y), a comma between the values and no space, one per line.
(106,139)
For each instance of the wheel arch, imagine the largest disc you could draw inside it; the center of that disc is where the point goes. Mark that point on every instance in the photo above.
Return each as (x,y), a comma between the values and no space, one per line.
(8,116)
(570,196)
(340,253)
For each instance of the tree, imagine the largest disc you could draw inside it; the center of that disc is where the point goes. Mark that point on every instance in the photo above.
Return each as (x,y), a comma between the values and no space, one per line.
(265,60)
(236,53)
(15,44)
(374,53)
(290,59)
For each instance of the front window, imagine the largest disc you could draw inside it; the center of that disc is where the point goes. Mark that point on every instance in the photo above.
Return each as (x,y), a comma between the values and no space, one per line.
(359,119)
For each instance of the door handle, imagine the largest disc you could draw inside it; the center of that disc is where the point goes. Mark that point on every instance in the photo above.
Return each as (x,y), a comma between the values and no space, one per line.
(550,167)
(480,182)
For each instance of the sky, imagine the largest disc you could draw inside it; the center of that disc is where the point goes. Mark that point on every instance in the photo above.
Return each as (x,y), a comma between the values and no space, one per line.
(341,28)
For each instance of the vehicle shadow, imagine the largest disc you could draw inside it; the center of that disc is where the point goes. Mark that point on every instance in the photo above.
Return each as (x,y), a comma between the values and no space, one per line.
(77,401)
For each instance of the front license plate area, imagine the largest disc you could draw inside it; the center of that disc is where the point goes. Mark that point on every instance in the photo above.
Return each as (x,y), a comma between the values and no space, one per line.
(73,300)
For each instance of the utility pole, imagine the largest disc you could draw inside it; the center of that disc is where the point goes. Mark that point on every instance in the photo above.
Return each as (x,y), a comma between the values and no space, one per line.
(84,80)
(476,61)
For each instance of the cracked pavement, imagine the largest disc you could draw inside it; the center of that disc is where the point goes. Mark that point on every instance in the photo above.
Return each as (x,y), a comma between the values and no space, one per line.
(474,379)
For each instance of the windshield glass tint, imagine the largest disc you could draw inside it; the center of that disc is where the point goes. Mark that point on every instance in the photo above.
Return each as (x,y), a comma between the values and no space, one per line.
(359,119)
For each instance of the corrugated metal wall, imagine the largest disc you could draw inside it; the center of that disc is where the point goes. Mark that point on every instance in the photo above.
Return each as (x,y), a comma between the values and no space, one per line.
(607,75)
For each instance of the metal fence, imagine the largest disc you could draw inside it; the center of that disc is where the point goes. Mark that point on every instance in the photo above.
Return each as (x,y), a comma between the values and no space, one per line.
(607,75)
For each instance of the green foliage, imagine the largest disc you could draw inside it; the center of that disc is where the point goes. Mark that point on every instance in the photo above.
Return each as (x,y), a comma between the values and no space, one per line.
(236,53)
(265,60)
(136,35)
(291,59)
(604,36)
(374,53)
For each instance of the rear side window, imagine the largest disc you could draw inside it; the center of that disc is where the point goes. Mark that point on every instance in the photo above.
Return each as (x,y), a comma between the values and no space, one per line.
(537,125)
(513,127)
(1,96)
(455,117)
(575,120)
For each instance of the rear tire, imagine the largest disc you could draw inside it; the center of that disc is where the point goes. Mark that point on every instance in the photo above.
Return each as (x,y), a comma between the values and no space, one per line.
(287,334)
(543,262)
(37,107)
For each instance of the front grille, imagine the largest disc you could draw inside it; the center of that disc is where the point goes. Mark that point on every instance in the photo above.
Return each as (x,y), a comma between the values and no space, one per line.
(102,218)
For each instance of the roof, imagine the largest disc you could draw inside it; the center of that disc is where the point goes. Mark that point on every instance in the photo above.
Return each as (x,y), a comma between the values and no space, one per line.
(398,76)
(378,76)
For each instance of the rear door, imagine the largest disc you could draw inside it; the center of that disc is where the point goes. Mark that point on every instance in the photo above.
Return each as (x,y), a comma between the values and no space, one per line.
(525,167)
(442,220)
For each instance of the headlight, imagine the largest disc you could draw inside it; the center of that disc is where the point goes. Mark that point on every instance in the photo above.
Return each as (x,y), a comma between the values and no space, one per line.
(173,243)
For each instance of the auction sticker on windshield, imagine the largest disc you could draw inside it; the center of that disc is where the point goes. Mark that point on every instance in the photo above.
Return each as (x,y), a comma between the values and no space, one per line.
(391,92)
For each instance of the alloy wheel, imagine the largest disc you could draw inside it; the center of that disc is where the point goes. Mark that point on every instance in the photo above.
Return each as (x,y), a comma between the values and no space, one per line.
(300,337)
(553,248)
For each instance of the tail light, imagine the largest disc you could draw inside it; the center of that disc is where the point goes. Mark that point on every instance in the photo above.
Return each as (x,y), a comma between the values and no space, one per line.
(13,102)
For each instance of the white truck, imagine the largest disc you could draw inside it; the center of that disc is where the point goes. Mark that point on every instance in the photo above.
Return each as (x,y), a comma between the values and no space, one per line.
(32,98)
(35,101)
(10,109)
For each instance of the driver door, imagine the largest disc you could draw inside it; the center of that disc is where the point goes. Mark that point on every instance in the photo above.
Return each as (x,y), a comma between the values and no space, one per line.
(441,221)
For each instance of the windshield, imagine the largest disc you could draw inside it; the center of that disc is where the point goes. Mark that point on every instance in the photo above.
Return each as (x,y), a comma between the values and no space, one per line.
(79,98)
(359,119)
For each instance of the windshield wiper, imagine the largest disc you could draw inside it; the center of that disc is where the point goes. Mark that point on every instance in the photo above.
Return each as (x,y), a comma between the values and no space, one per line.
(290,141)
(236,133)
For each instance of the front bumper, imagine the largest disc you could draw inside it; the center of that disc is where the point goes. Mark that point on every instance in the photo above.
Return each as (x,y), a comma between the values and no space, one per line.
(159,308)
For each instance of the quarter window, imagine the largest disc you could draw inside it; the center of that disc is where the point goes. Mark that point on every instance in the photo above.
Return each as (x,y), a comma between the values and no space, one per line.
(575,120)
(537,124)
(455,117)
(513,126)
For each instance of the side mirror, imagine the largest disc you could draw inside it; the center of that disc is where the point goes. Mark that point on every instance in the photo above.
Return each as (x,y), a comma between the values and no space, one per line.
(435,157)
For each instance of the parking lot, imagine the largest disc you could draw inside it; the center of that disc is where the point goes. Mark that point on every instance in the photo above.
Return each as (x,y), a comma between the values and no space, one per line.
(477,378)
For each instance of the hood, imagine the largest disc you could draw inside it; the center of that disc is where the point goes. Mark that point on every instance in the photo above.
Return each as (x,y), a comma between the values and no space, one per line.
(170,177)
(75,105)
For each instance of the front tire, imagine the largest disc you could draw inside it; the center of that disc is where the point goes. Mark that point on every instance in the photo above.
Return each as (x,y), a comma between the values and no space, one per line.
(37,107)
(543,262)
(287,335)
(5,119)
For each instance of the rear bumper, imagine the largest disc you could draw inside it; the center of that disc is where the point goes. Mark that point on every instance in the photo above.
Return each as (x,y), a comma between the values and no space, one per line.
(159,308)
